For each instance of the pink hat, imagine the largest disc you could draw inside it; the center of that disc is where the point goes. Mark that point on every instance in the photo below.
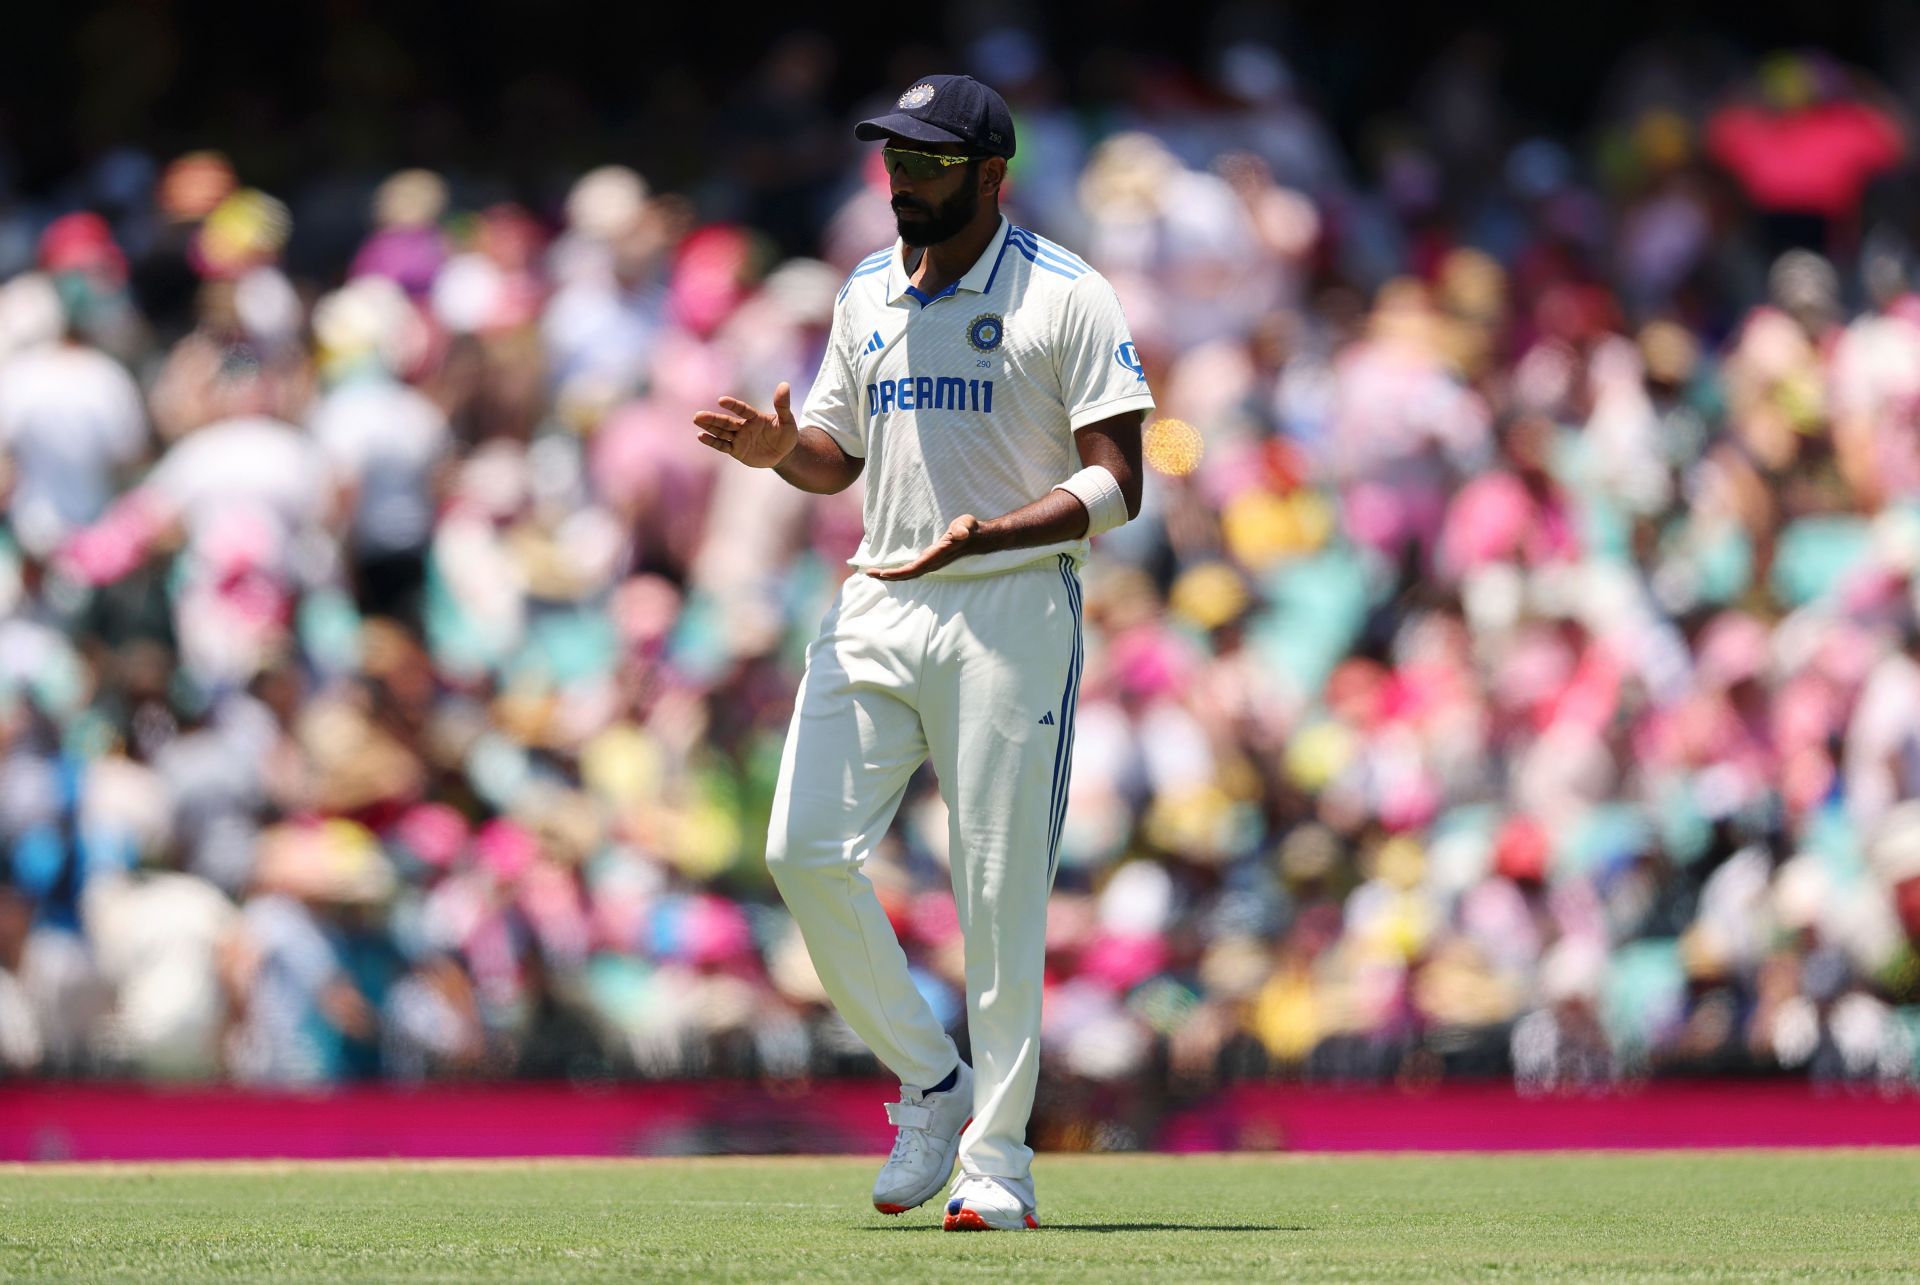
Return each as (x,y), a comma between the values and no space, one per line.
(506,849)
(1487,521)
(709,277)
(1124,962)
(1733,648)
(1520,852)
(82,242)
(716,930)
(433,832)
(1150,662)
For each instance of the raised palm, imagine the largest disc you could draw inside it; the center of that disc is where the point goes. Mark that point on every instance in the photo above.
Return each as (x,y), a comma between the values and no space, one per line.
(756,438)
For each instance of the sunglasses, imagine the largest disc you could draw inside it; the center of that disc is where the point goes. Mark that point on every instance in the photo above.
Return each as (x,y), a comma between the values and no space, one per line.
(919,165)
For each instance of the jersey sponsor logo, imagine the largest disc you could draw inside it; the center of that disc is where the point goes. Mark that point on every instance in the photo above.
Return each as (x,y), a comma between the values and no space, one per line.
(919,96)
(929,392)
(986,331)
(1129,356)
(875,343)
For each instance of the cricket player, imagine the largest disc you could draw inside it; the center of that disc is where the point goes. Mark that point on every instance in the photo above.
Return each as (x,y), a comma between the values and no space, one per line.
(983,380)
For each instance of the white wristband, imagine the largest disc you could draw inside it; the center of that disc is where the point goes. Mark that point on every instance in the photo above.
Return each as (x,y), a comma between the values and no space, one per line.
(1099,490)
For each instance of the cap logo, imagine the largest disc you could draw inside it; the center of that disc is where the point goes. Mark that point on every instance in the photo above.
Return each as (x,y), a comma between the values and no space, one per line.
(919,96)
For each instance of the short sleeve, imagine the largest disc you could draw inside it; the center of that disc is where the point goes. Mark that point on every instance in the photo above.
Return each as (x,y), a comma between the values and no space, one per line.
(1100,371)
(833,403)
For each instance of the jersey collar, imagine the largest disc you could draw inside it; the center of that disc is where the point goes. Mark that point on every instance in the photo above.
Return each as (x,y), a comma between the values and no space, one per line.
(975,279)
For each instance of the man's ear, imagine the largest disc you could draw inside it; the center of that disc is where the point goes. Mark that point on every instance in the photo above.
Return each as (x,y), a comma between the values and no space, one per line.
(993,172)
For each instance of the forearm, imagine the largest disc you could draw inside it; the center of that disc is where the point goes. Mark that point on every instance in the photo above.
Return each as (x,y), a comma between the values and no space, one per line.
(818,465)
(1054,517)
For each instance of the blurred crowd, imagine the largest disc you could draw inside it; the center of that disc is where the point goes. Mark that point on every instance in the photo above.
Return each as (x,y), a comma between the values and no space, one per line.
(1515,670)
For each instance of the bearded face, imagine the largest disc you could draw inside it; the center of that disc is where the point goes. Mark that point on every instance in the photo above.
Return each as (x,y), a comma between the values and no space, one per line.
(922,222)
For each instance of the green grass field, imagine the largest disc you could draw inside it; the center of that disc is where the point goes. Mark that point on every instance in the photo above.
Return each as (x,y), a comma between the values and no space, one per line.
(1835,1215)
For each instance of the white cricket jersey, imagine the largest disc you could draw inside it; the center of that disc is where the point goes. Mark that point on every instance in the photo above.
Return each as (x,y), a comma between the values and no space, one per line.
(967,401)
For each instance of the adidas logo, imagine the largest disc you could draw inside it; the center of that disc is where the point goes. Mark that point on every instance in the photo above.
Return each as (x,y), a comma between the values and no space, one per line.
(1046,719)
(876,343)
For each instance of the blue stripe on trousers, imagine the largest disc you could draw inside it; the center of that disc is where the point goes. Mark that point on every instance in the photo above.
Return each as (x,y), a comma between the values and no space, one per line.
(1063,746)
(1060,730)
(1073,709)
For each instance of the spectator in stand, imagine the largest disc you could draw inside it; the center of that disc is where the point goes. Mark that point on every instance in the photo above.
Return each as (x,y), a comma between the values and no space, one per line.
(1513,669)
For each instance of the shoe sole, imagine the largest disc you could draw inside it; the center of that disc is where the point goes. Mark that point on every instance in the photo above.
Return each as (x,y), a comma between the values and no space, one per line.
(967,1220)
(953,1154)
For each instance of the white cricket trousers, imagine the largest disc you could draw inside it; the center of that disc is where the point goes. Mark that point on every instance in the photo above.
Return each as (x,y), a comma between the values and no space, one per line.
(980,675)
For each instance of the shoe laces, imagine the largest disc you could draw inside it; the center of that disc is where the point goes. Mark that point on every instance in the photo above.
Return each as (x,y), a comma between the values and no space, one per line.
(909,1144)
(912,1139)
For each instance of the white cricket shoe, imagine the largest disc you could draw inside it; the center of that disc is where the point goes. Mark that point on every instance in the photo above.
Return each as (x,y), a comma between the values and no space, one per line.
(983,1203)
(924,1150)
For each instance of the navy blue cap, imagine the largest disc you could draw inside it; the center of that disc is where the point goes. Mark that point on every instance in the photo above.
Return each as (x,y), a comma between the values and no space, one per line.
(946,109)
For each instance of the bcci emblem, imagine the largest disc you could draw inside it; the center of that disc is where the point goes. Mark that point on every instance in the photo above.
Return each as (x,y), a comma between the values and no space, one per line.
(919,96)
(985,332)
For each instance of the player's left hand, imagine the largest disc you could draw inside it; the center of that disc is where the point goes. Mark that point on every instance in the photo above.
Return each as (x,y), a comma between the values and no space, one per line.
(957,542)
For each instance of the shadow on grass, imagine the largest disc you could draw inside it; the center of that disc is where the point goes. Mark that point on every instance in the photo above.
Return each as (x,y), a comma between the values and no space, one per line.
(1111,1227)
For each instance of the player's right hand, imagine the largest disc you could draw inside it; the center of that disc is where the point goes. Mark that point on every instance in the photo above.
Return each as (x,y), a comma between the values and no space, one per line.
(756,438)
